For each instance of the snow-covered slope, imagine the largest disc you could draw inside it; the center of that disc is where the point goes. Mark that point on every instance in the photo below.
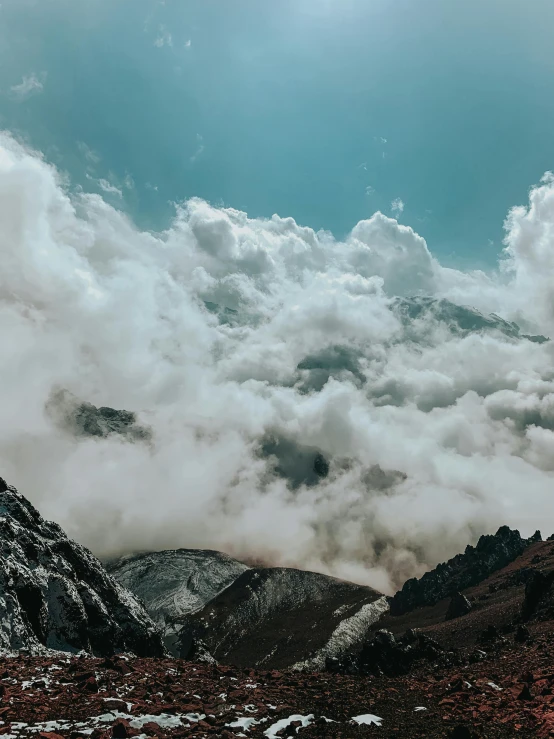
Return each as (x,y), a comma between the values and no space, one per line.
(279,617)
(54,594)
(176,582)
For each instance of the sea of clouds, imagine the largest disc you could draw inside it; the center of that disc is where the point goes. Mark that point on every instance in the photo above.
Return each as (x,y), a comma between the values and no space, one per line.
(227,334)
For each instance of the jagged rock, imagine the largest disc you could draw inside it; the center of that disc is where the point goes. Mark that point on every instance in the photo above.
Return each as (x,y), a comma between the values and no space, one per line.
(491,553)
(458,606)
(55,594)
(85,419)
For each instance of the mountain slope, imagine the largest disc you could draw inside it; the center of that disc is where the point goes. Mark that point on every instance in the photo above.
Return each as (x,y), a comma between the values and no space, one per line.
(279,617)
(491,553)
(54,594)
(176,582)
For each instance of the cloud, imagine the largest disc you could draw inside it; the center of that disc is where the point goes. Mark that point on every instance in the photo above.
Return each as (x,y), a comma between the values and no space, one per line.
(107,187)
(249,345)
(91,156)
(163,38)
(397,207)
(199,148)
(30,85)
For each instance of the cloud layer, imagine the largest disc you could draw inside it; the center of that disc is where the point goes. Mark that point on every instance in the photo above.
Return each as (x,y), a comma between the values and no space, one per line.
(229,336)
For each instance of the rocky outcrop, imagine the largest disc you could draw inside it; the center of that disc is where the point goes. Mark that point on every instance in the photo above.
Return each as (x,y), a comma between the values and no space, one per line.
(491,553)
(55,594)
(385,654)
(84,419)
(458,606)
(174,583)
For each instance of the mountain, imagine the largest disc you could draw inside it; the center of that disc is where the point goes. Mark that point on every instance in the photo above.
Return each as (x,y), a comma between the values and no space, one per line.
(54,594)
(272,616)
(459,319)
(279,617)
(83,419)
(173,583)
(491,553)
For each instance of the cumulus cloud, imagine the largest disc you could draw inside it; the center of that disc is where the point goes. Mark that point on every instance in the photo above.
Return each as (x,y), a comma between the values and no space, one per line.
(30,85)
(249,346)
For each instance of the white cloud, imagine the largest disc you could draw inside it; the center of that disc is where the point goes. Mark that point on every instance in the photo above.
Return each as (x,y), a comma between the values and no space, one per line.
(188,44)
(397,207)
(107,187)
(163,38)
(29,85)
(318,354)
(91,156)
(199,148)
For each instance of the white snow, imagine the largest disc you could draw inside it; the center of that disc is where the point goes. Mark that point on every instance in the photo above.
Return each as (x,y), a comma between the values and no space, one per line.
(271,733)
(367,719)
(350,631)
(243,723)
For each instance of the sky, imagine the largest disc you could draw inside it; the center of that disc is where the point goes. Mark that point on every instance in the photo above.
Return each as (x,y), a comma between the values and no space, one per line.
(186,233)
(438,113)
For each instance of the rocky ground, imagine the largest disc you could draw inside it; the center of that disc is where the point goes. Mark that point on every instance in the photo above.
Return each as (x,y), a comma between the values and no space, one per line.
(509,692)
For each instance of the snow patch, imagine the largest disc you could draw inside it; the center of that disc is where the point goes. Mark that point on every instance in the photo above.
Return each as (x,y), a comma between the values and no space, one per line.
(367,719)
(349,632)
(271,733)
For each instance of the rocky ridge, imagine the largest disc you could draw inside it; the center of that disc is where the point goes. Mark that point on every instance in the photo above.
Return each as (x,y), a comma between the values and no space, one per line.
(54,594)
(491,553)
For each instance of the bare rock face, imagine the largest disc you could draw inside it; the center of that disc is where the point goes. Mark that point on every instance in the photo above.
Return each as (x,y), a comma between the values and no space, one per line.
(55,594)
(174,583)
(491,553)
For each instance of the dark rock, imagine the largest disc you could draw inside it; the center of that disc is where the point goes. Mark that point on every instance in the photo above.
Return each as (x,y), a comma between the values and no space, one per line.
(539,596)
(490,634)
(525,694)
(120,730)
(462,732)
(491,553)
(458,606)
(522,634)
(85,419)
(55,594)
(391,656)
(321,465)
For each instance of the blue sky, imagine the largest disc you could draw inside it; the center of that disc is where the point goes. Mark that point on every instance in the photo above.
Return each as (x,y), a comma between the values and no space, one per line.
(324,110)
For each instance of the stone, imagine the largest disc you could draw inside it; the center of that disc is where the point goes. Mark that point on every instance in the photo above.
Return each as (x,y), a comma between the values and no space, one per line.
(458,606)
